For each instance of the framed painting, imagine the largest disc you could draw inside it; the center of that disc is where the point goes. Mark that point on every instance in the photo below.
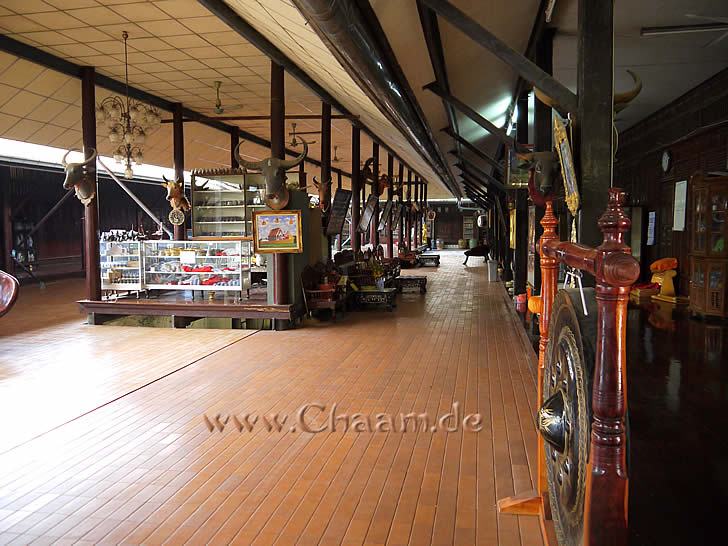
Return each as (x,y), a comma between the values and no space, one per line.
(568,172)
(277,231)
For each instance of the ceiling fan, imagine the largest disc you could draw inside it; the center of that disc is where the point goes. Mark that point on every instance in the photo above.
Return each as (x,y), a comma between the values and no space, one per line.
(717,24)
(295,136)
(219,108)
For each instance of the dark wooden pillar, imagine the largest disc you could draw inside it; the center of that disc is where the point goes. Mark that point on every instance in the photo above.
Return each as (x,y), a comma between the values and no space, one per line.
(362,205)
(302,176)
(595,90)
(373,231)
(418,231)
(234,139)
(338,187)
(178,143)
(520,202)
(424,212)
(7,227)
(408,214)
(400,194)
(281,293)
(542,129)
(326,167)
(91,212)
(355,192)
(390,196)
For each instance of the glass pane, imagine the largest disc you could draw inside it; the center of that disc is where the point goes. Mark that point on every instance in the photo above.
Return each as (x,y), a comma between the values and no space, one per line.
(716,279)
(698,275)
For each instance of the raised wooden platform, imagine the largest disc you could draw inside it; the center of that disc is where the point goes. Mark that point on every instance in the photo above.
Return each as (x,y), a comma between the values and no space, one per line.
(102,311)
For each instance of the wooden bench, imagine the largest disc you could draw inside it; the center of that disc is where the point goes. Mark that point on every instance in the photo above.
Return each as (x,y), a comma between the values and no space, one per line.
(430,259)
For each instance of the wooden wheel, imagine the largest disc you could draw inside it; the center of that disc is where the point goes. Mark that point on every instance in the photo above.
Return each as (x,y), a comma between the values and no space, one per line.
(564,419)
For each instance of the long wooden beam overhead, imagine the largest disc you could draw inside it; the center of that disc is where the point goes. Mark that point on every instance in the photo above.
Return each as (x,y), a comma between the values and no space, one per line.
(528,70)
(261,117)
(477,151)
(486,124)
(468,166)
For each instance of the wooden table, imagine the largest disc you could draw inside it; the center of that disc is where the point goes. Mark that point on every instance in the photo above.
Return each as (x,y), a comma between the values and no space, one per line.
(374,296)
(411,282)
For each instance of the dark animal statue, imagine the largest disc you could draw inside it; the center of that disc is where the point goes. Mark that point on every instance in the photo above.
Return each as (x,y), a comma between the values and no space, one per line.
(78,176)
(274,172)
(480,250)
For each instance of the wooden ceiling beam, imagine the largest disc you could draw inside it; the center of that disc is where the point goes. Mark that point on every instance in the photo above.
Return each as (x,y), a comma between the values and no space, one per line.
(524,67)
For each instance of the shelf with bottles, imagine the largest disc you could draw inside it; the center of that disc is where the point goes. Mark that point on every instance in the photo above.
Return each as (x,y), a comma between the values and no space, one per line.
(121,265)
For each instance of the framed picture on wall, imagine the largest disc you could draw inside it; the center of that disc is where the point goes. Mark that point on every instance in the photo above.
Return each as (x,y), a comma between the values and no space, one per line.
(568,172)
(277,231)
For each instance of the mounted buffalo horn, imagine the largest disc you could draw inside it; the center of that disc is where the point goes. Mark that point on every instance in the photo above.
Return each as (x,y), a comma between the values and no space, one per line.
(621,100)
(274,173)
(79,177)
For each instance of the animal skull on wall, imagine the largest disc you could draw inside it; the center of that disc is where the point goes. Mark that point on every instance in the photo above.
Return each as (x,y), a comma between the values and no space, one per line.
(543,165)
(176,195)
(274,172)
(79,177)
(323,188)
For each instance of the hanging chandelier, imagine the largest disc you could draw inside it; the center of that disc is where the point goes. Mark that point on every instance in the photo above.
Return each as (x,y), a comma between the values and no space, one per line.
(128,121)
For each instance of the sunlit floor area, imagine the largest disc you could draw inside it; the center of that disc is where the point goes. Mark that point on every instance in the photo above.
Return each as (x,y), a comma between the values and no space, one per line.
(141,464)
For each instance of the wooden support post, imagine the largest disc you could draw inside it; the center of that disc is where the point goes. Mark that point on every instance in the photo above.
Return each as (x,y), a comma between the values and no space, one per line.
(400,193)
(595,86)
(373,231)
(605,512)
(281,292)
(543,128)
(326,168)
(520,198)
(355,190)
(408,214)
(418,214)
(91,212)
(234,140)
(338,187)
(7,228)
(390,196)
(424,212)
(178,142)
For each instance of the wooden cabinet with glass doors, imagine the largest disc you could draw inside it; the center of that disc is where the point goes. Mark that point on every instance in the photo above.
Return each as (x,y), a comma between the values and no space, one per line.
(709,256)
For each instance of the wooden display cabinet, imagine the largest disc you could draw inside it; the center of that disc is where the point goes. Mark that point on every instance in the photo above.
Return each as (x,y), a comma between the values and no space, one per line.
(709,255)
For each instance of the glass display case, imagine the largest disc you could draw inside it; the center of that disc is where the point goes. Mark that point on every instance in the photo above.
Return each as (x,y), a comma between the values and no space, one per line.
(121,265)
(223,203)
(220,265)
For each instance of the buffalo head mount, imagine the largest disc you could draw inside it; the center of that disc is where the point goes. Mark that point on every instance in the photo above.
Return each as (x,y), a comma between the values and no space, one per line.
(621,100)
(274,172)
(80,177)
(176,195)
(542,166)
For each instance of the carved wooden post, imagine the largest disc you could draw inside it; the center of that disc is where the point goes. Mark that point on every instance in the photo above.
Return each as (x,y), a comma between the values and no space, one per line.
(355,195)
(549,287)
(606,483)
(373,231)
(390,195)
(91,211)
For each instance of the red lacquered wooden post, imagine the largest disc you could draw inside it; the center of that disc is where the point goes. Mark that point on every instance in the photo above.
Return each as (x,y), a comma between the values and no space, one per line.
(549,286)
(607,480)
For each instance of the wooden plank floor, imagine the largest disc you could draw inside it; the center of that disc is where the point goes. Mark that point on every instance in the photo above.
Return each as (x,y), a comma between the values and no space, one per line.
(146,468)
(54,368)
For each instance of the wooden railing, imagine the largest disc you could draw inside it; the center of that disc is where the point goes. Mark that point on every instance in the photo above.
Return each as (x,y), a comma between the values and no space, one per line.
(615,270)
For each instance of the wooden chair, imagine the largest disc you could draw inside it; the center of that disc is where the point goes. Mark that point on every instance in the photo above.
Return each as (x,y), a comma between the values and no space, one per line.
(9,288)
(314,296)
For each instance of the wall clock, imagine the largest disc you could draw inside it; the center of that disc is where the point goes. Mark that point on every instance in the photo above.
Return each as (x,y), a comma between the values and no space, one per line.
(666,161)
